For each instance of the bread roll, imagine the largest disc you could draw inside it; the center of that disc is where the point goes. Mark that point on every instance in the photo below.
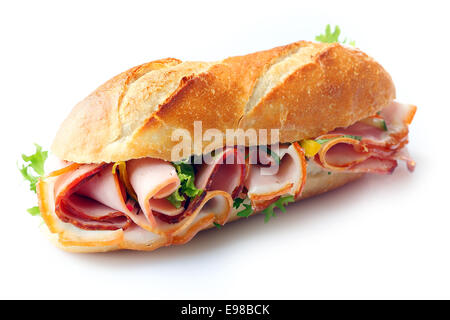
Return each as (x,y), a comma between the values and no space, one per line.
(304,89)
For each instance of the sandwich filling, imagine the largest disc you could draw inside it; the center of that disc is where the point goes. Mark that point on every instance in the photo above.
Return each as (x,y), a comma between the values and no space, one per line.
(176,200)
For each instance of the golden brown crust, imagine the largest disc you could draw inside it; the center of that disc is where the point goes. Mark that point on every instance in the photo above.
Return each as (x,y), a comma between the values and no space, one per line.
(335,88)
(82,241)
(304,89)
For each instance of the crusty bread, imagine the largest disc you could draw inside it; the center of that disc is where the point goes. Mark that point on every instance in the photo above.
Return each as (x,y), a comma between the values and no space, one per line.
(316,183)
(304,89)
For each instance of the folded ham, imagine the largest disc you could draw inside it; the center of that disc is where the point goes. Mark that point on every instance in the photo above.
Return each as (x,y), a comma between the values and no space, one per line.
(91,204)
(226,171)
(85,199)
(153,180)
(92,197)
(289,179)
(365,147)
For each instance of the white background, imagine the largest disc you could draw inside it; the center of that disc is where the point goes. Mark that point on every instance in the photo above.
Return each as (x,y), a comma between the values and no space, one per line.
(381,237)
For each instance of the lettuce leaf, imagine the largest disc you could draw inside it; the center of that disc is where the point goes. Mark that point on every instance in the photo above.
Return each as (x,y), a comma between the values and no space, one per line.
(187,187)
(237,202)
(333,37)
(176,199)
(32,169)
(280,204)
(245,212)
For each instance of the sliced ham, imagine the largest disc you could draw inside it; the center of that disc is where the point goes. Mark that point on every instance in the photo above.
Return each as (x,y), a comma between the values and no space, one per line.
(265,188)
(92,197)
(377,151)
(226,171)
(91,215)
(153,181)
(351,155)
(214,207)
(89,198)
(397,117)
(375,165)
(74,238)
(105,188)
(79,200)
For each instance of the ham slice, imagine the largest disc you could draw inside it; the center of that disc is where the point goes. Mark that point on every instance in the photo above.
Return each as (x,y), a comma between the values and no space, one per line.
(214,206)
(80,198)
(105,188)
(153,181)
(264,188)
(377,151)
(397,117)
(92,197)
(226,171)
(90,215)
(67,232)
(87,197)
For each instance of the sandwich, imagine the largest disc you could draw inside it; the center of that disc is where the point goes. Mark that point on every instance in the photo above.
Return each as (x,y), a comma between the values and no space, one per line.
(169,148)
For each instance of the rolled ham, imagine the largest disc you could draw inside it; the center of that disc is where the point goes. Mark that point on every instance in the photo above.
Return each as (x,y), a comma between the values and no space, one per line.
(87,197)
(92,197)
(290,178)
(226,172)
(376,150)
(90,204)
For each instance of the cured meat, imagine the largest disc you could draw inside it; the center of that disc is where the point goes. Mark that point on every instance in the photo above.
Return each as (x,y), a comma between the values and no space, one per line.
(91,215)
(226,171)
(364,147)
(265,188)
(153,181)
(99,204)
(397,117)
(88,198)
(214,206)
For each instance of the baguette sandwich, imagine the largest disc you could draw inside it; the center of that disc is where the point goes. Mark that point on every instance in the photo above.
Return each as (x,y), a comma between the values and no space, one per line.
(276,126)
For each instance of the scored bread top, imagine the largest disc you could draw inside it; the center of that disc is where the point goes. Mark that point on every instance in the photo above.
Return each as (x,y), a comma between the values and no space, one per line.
(304,89)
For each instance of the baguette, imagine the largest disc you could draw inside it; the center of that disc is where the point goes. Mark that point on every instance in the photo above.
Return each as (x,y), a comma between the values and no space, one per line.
(332,106)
